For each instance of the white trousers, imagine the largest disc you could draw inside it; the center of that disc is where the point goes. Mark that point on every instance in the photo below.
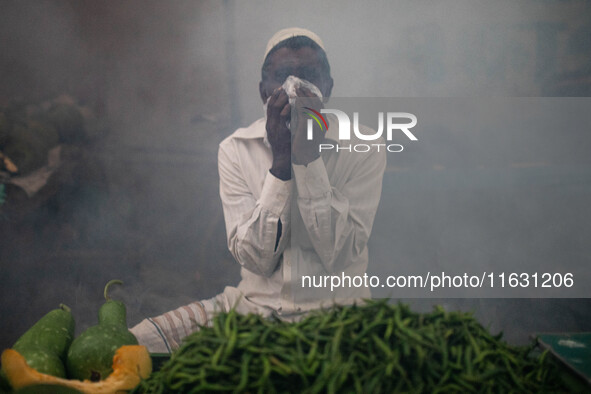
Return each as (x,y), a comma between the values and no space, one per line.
(164,333)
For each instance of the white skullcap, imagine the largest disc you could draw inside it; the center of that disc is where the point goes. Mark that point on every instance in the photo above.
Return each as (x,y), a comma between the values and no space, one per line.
(290,32)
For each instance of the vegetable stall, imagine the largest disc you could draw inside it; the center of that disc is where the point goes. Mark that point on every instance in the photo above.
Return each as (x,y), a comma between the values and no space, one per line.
(376,346)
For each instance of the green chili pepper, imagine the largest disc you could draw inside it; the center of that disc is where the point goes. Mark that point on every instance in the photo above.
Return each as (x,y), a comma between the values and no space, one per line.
(374,347)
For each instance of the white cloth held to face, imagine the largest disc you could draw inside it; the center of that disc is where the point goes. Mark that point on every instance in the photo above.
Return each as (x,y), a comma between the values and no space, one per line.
(290,85)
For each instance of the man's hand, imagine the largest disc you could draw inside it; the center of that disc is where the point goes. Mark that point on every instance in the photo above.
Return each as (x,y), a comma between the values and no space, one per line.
(278,134)
(285,143)
(305,151)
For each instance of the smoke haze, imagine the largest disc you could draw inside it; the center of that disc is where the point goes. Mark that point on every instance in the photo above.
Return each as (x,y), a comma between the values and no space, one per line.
(167,81)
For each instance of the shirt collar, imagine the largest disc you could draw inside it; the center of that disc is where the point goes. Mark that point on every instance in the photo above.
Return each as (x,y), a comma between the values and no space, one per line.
(255,130)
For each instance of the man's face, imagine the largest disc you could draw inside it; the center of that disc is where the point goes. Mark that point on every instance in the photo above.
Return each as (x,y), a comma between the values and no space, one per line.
(303,63)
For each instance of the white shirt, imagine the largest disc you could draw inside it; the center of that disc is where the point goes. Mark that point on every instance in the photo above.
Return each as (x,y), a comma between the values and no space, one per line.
(326,211)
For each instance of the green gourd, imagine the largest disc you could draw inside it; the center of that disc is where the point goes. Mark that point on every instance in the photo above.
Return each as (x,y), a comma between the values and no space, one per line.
(45,344)
(91,354)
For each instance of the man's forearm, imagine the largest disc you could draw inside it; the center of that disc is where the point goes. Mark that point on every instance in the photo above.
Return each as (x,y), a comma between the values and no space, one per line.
(281,168)
(253,225)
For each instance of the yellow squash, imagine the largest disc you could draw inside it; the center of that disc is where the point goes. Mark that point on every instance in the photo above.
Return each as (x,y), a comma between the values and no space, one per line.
(130,364)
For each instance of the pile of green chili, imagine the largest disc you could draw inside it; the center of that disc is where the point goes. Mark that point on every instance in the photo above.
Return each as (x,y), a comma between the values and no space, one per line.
(376,347)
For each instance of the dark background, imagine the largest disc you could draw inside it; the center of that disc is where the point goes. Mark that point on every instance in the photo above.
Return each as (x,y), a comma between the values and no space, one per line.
(167,81)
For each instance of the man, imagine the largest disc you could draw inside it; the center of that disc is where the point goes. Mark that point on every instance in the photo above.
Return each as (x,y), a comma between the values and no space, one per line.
(290,211)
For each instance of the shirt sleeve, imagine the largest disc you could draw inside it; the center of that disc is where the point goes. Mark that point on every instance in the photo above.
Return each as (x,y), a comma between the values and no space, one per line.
(252,224)
(337,218)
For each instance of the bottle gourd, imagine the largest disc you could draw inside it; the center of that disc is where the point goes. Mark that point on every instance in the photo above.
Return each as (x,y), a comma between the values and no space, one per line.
(45,344)
(90,356)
